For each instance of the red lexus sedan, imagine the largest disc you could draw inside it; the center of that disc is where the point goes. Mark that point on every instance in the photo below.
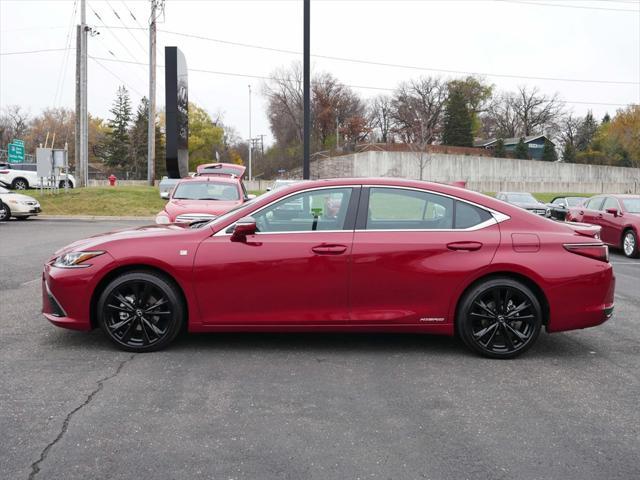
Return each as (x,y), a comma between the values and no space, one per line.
(383,255)
(619,217)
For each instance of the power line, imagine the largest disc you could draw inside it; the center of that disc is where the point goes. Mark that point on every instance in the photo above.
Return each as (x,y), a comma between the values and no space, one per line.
(97,60)
(144,51)
(396,65)
(26,52)
(63,67)
(364,87)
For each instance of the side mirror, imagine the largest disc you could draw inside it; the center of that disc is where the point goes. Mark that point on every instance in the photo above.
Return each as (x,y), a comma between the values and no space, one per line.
(244,227)
(613,211)
(251,196)
(164,195)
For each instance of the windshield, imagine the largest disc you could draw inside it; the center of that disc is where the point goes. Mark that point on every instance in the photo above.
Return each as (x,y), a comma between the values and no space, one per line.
(631,205)
(521,198)
(575,201)
(207,191)
(247,206)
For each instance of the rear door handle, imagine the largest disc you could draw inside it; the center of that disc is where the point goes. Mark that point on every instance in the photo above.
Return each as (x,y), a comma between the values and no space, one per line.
(464,246)
(329,249)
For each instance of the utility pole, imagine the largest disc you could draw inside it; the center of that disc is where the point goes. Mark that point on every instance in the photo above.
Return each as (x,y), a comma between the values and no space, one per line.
(262,147)
(250,138)
(306,169)
(151,135)
(82,118)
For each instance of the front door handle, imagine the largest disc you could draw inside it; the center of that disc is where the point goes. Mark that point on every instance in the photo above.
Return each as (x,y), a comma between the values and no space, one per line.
(329,249)
(464,246)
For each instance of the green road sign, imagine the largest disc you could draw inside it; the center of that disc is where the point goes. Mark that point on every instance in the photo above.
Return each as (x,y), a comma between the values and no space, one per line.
(16,153)
(17,141)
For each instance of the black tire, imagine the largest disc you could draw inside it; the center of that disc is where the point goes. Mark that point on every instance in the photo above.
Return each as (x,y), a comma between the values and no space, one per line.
(141,311)
(68,182)
(499,318)
(5,212)
(20,184)
(630,246)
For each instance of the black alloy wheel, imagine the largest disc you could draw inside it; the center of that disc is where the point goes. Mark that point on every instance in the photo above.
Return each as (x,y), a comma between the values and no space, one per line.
(5,213)
(499,318)
(20,184)
(141,311)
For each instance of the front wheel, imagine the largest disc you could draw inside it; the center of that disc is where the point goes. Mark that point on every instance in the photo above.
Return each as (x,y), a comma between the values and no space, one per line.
(499,318)
(5,213)
(141,311)
(20,184)
(630,244)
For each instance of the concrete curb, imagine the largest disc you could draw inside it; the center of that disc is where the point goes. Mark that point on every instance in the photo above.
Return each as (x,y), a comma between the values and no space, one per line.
(90,218)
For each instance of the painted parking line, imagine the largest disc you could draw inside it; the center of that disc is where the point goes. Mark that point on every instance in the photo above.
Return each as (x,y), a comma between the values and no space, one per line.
(30,282)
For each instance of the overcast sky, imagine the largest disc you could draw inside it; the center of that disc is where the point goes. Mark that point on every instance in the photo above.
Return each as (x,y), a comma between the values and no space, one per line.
(583,40)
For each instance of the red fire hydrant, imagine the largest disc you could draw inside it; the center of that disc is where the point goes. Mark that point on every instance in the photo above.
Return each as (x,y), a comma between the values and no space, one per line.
(112,180)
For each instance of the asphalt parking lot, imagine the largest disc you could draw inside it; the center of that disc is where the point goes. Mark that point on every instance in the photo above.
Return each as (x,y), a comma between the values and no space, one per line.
(258,406)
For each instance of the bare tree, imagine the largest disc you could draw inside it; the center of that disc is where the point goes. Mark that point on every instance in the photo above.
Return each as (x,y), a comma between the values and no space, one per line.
(535,111)
(14,123)
(569,126)
(381,117)
(417,109)
(285,104)
(501,120)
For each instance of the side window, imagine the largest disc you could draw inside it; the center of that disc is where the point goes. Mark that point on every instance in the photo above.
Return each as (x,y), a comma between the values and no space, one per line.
(324,209)
(400,209)
(468,216)
(559,201)
(610,202)
(594,203)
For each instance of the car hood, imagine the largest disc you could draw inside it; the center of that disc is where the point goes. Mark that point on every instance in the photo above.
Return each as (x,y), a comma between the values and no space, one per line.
(17,196)
(212,207)
(97,242)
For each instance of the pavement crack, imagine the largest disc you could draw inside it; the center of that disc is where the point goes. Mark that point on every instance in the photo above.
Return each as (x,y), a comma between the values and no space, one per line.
(35,466)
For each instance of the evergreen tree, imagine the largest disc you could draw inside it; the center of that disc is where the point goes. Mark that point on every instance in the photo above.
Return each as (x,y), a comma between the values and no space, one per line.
(569,153)
(117,141)
(138,136)
(457,121)
(549,152)
(606,118)
(586,132)
(522,150)
(499,151)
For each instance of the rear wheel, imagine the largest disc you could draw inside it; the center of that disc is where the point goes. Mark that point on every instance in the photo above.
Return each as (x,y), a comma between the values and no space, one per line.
(499,318)
(68,182)
(140,311)
(20,184)
(630,244)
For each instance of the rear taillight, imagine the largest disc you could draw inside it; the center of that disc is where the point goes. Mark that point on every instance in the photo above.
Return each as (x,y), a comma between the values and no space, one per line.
(597,251)
(4,171)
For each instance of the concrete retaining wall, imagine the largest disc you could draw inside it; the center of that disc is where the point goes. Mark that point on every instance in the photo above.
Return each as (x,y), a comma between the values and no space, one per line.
(485,174)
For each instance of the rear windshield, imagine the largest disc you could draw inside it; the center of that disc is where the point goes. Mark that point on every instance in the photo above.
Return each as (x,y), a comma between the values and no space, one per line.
(521,198)
(206,191)
(631,205)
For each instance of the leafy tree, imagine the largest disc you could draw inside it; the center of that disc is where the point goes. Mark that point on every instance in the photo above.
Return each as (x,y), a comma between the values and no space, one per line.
(606,118)
(116,146)
(569,153)
(477,95)
(457,120)
(499,150)
(522,150)
(205,137)
(549,152)
(624,130)
(586,132)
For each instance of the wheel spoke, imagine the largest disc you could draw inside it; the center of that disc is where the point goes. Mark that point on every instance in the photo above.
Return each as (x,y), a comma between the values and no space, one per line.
(483,316)
(521,336)
(145,336)
(484,307)
(159,303)
(153,327)
(118,308)
(520,317)
(124,301)
(518,309)
(484,331)
(145,295)
(491,338)
(507,298)
(126,336)
(497,303)
(117,326)
(507,338)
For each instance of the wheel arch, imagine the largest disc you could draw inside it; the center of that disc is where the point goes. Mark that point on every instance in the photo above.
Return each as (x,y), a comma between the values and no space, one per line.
(140,267)
(528,281)
(20,178)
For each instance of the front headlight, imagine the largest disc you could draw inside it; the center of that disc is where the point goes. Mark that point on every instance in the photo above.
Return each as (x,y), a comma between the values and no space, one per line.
(75,259)
(162,219)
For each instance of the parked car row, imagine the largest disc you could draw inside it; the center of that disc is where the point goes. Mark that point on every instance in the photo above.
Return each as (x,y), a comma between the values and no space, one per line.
(618,216)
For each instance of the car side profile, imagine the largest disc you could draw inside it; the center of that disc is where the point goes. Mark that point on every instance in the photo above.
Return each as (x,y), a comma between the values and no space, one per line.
(17,205)
(559,206)
(25,176)
(617,215)
(349,255)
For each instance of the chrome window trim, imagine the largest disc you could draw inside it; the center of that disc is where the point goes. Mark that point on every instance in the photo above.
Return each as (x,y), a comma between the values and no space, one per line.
(497,217)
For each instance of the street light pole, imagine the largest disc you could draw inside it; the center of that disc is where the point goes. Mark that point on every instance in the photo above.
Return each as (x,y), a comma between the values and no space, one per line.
(250,139)
(306,168)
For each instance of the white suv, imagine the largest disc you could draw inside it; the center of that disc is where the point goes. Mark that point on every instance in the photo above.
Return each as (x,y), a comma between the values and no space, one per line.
(24,176)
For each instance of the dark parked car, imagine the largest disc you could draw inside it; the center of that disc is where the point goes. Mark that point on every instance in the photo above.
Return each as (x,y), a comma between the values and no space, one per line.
(617,215)
(559,206)
(524,200)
